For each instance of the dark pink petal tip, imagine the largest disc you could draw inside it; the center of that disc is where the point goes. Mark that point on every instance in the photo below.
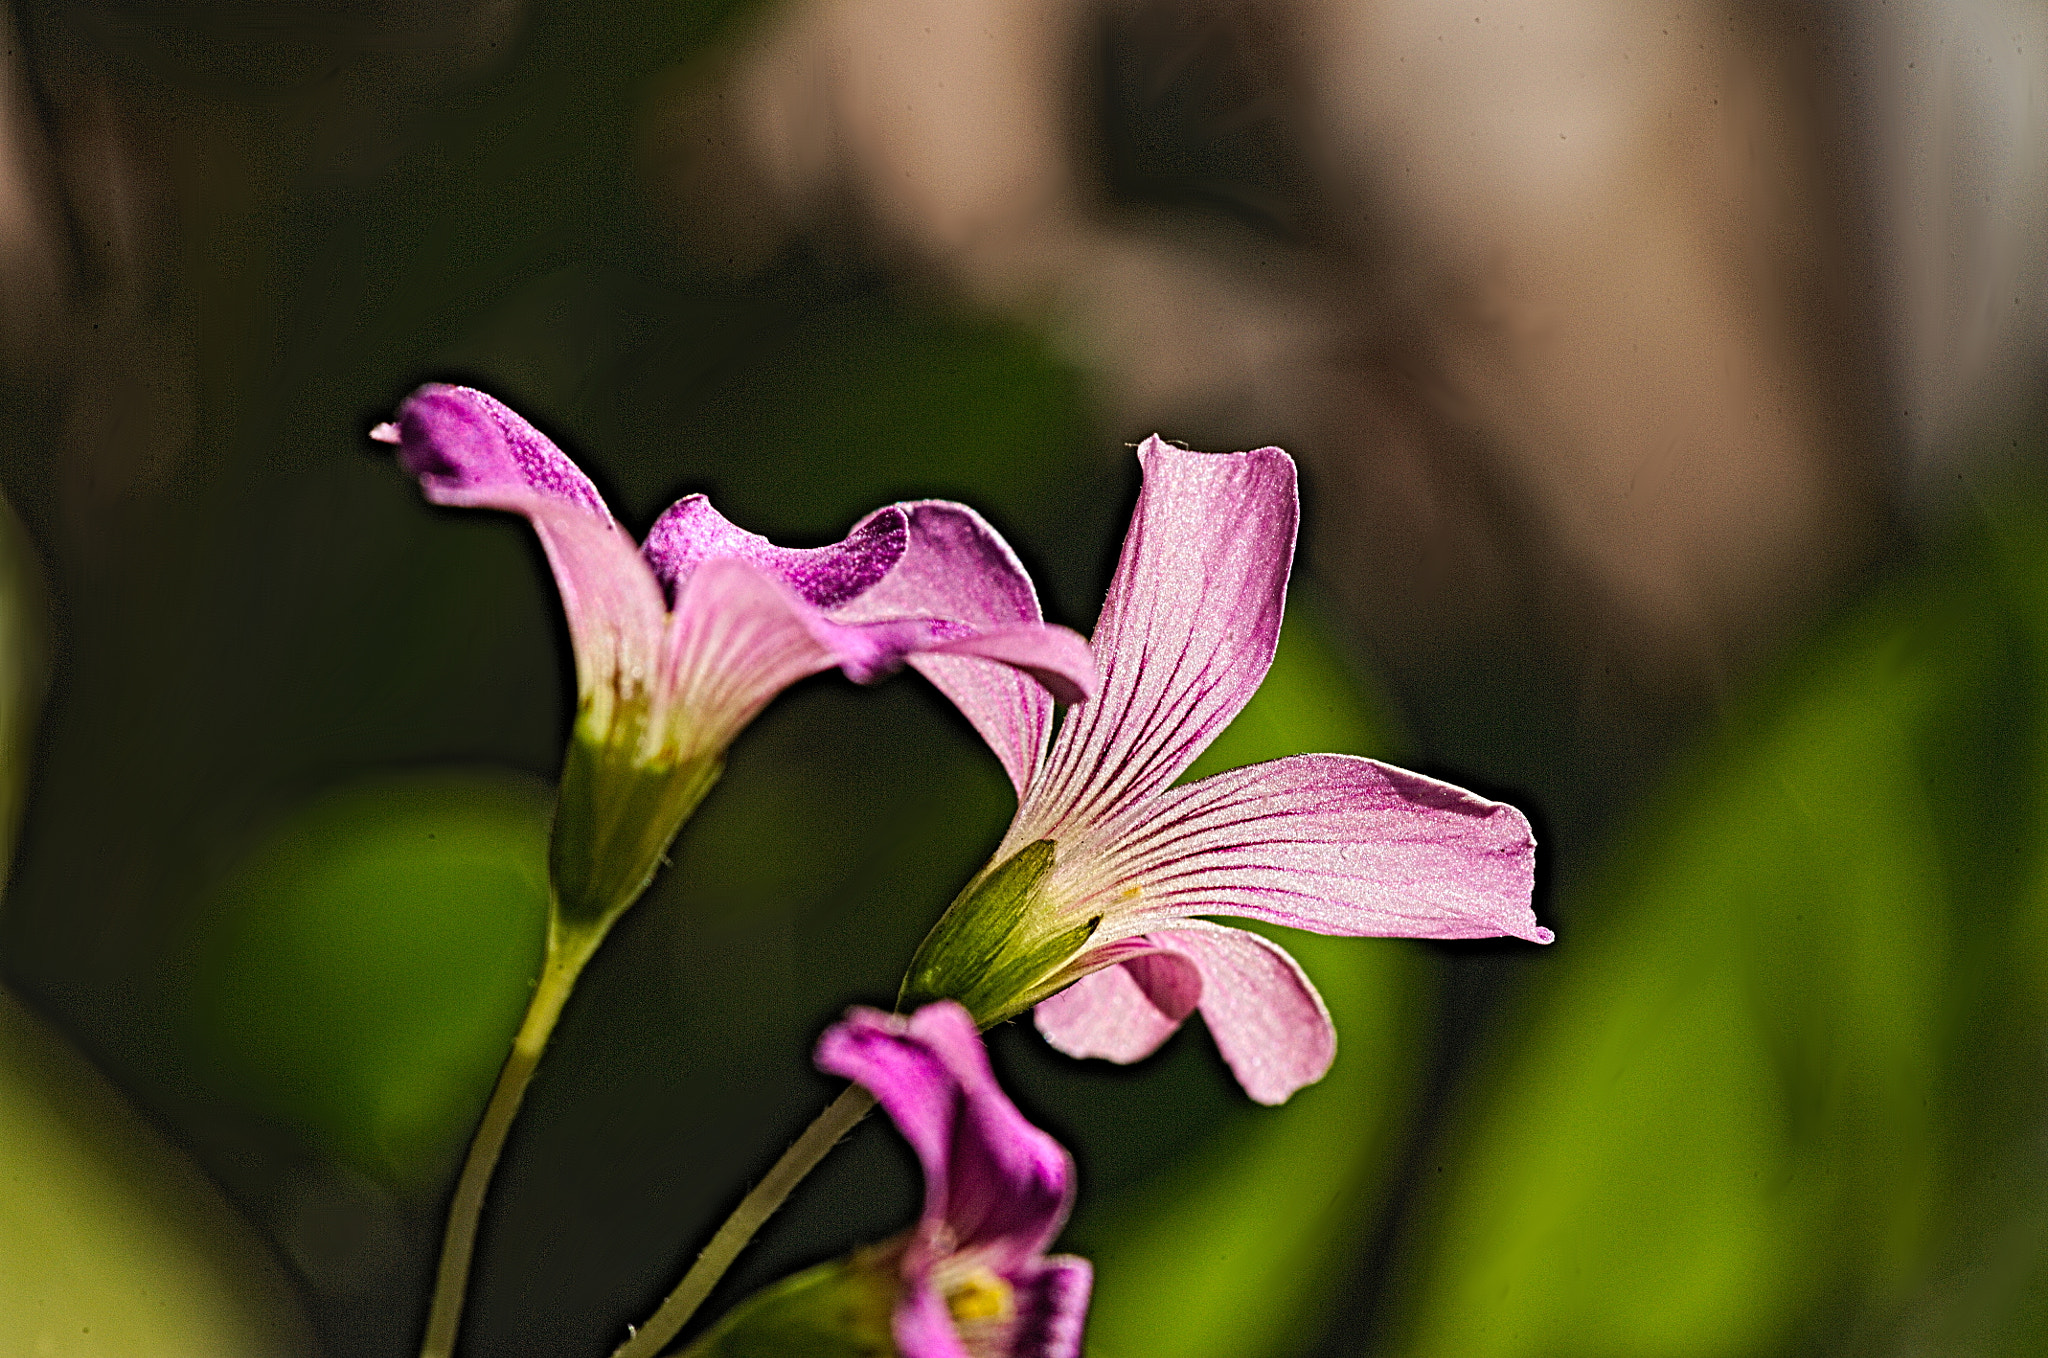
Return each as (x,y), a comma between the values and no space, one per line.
(691,532)
(993,1182)
(471,449)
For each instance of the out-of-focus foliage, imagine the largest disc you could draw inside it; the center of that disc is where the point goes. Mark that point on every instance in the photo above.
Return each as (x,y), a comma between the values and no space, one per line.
(113,1245)
(21,673)
(1785,1090)
(358,976)
(1233,1248)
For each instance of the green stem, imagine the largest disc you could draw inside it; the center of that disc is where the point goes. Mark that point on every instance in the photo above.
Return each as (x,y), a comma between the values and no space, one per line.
(565,960)
(753,1212)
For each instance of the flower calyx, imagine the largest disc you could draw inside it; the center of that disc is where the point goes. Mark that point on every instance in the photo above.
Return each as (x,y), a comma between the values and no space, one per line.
(993,950)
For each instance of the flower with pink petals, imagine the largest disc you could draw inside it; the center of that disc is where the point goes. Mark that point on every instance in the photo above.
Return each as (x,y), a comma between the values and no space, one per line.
(680,641)
(974,1276)
(1090,909)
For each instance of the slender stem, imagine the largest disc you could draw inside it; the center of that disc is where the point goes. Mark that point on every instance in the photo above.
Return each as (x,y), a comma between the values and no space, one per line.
(451,1280)
(753,1212)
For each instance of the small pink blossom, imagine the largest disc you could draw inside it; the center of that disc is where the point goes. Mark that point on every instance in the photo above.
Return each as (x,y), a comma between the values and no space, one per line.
(975,1281)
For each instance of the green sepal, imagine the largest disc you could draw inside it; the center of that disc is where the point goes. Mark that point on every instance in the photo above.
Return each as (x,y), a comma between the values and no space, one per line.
(841,1309)
(980,952)
(614,819)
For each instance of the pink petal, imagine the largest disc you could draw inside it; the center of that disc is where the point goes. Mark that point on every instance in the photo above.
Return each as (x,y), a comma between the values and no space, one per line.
(1049,1314)
(738,638)
(923,1325)
(1122,1012)
(957,567)
(994,1184)
(691,532)
(1333,844)
(1052,1308)
(469,450)
(1186,633)
(1267,1020)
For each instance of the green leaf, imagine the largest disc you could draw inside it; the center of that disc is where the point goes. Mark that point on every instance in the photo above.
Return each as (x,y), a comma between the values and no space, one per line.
(114,1244)
(840,1309)
(360,973)
(1787,1037)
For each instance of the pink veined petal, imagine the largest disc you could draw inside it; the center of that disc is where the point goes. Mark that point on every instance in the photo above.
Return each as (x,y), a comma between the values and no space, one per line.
(1186,633)
(998,1185)
(923,1325)
(1330,843)
(690,532)
(1052,1308)
(1122,1012)
(469,450)
(957,567)
(1054,656)
(737,638)
(1270,1025)
(1267,1020)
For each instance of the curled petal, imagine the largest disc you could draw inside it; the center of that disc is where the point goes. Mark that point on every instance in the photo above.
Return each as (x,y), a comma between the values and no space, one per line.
(1052,1308)
(1186,634)
(1054,656)
(1124,1011)
(737,638)
(957,567)
(469,450)
(690,532)
(1333,844)
(1269,1024)
(994,1184)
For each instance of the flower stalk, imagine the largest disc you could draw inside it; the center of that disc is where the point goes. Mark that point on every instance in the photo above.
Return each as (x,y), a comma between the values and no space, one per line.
(569,950)
(841,1116)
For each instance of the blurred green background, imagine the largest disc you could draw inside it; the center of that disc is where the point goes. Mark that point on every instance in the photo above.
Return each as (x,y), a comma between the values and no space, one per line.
(1779,1087)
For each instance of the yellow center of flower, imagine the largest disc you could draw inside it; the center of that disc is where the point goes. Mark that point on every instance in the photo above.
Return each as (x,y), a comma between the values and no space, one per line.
(981,1295)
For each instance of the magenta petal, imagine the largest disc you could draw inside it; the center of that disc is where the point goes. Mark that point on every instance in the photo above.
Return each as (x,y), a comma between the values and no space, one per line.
(923,1326)
(1186,633)
(690,532)
(994,1184)
(469,450)
(1052,1308)
(1334,844)
(1123,1012)
(1048,1316)
(957,567)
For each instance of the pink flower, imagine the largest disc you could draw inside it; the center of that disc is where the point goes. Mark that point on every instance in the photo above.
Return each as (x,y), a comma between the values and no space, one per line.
(680,642)
(974,1278)
(1090,908)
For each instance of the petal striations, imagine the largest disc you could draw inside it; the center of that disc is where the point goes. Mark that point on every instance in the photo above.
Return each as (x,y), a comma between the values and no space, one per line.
(1186,633)
(1334,844)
